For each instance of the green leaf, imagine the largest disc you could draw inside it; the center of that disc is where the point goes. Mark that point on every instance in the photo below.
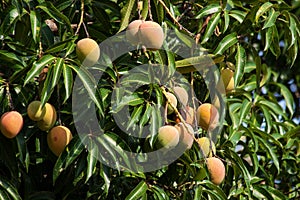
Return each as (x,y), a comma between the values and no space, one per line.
(105,174)
(293,133)
(58,67)
(11,57)
(210,9)
(91,161)
(226,21)
(18,5)
(233,108)
(115,147)
(292,54)
(288,97)
(53,12)
(211,26)
(68,157)
(269,149)
(293,30)
(10,189)
(238,15)
(258,70)
(271,19)
(126,13)
(47,90)
(145,10)
(135,116)
(276,194)
(68,81)
(90,85)
(9,21)
(38,66)
(268,38)
(146,115)
(138,191)
(267,117)
(213,194)
(159,193)
(197,63)
(184,38)
(262,10)
(239,163)
(35,21)
(60,46)
(261,193)
(245,110)
(275,49)
(240,60)
(156,121)
(226,43)
(275,107)
(212,187)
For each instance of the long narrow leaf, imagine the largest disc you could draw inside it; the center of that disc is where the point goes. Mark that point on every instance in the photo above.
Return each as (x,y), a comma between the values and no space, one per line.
(138,191)
(38,66)
(226,43)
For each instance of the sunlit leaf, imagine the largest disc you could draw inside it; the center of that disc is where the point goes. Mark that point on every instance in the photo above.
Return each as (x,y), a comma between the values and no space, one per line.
(226,43)
(262,10)
(138,191)
(211,26)
(38,66)
(210,9)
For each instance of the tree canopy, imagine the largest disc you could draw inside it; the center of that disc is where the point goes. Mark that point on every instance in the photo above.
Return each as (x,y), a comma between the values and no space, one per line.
(117,104)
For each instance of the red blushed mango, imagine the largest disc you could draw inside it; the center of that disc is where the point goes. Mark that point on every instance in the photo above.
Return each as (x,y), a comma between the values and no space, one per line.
(186,135)
(182,95)
(11,124)
(151,35)
(190,115)
(58,138)
(132,32)
(216,170)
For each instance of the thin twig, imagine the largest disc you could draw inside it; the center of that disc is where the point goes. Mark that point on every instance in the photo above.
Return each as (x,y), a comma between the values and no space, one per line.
(9,99)
(174,19)
(58,105)
(177,112)
(81,17)
(149,9)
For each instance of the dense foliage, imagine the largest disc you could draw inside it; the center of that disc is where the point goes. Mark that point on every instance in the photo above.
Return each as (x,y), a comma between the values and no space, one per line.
(259,140)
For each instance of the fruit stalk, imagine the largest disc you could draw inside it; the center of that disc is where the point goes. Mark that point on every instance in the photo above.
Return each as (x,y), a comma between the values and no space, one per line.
(177,112)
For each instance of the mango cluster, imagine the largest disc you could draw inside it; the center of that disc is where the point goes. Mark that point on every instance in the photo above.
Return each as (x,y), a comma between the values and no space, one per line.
(147,33)
(45,116)
(206,116)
